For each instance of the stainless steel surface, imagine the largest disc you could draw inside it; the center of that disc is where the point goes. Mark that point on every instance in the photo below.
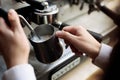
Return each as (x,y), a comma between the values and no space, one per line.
(48,14)
(3,67)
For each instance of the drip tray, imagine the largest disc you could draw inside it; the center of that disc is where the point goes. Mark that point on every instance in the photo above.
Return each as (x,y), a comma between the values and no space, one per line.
(55,69)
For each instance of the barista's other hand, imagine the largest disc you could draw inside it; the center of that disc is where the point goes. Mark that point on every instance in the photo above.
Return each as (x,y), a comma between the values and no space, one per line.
(80,40)
(14,45)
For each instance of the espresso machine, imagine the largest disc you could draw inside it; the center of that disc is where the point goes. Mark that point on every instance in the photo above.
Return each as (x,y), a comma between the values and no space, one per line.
(47,14)
(38,12)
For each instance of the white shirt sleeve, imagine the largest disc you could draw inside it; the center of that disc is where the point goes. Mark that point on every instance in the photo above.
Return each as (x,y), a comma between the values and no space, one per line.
(103,58)
(20,72)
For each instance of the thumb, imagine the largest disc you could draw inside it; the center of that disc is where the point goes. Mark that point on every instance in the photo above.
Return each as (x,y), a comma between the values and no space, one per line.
(13,18)
(66,36)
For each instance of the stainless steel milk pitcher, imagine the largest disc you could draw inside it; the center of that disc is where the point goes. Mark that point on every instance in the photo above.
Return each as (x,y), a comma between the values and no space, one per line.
(47,46)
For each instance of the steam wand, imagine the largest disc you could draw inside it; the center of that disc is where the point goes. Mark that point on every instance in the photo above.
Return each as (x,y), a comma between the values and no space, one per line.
(33,33)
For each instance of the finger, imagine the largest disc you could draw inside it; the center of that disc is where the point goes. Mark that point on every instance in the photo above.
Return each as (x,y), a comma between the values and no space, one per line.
(77,52)
(65,35)
(67,44)
(71,29)
(14,19)
(72,39)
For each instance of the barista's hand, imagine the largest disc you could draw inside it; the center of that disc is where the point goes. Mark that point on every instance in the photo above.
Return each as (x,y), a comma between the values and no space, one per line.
(14,45)
(80,40)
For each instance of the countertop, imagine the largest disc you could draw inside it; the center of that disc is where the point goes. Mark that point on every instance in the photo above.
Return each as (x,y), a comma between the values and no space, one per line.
(84,71)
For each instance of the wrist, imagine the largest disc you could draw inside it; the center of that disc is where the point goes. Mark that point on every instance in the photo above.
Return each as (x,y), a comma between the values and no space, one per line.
(14,61)
(96,51)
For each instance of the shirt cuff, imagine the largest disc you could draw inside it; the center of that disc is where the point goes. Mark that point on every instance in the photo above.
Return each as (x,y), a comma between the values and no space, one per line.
(103,58)
(20,72)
